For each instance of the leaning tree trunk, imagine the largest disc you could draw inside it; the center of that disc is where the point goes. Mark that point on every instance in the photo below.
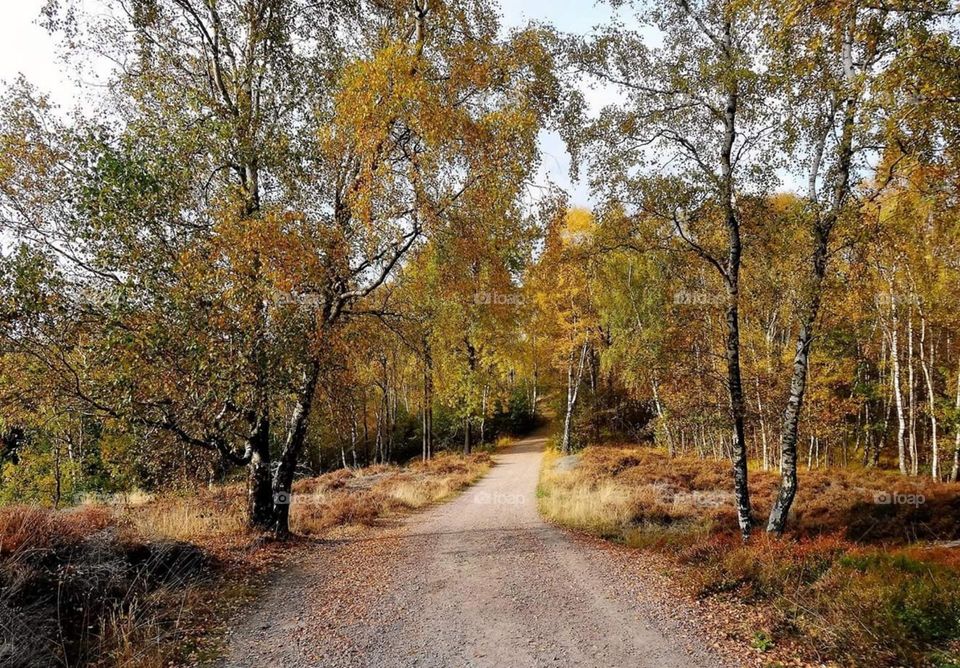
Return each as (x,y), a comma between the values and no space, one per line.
(823,226)
(296,435)
(801,363)
(791,414)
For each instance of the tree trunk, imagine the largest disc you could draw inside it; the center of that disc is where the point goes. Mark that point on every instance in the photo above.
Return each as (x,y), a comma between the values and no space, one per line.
(259,482)
(738,446)
(57,475)
(823,226)
(536,397)
(663,417)
(296,435)
(427,444)
(887,409)
(483,415)
(425,435)
(732,275)
(956,440)
(931,400)
(353,437)
(573,388)
(467,445)
(763,428)
(911,404)
(897,392)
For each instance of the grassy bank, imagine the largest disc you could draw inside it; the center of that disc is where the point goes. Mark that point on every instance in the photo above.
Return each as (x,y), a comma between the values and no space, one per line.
(866,577)
(141,580)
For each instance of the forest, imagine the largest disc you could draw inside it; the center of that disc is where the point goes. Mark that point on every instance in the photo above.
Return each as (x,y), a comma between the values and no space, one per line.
(289,241)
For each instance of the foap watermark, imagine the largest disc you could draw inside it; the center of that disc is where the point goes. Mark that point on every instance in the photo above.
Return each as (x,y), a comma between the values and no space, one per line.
(703,499)
(281,298)
(695,298)
(282,498)
(884,498)
(498,299)
(498,499)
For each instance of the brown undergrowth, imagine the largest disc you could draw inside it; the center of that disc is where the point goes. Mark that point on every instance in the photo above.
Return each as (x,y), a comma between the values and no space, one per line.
(141,580)
(869,574)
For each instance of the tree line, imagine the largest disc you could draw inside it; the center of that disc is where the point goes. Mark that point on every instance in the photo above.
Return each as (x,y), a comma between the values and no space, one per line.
(193,257)
(855,104)
(298,235)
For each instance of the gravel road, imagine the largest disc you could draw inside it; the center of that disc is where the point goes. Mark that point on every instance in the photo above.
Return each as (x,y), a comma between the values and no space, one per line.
(478,581)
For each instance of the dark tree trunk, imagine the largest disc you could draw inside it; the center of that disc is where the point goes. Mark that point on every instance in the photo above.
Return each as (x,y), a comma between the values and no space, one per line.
(738,446)
(731,274)
(259,487)
(296,435)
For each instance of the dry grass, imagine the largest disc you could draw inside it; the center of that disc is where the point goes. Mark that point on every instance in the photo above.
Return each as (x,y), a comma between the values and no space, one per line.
(24,528)
(436,480)
(851,583)
(202,518)
(320,511)
(652,488)
(79,588)
(602,508)
(359,498)
(134,580)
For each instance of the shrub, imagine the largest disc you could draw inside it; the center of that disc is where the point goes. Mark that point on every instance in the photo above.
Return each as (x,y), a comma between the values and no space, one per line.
(76,589)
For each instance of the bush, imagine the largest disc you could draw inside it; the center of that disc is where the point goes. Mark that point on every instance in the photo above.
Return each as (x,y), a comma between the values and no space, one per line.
(77,589)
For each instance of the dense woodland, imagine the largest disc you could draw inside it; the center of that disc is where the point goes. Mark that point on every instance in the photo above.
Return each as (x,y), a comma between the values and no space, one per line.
(296,236)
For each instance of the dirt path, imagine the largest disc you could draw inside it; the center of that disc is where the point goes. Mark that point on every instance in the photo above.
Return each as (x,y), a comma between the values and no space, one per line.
(478,581)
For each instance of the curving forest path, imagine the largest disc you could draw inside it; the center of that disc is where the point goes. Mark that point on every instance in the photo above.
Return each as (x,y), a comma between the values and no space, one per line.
(479,581)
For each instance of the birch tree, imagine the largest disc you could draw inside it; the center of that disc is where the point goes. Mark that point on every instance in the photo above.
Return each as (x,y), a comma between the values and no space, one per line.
(258,173)
(685,145)
(834,59)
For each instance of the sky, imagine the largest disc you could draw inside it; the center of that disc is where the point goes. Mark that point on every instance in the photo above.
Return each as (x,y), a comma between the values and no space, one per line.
(26,48)
(570,16)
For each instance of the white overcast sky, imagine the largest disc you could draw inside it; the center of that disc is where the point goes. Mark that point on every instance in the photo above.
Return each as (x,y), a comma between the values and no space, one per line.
(26,48)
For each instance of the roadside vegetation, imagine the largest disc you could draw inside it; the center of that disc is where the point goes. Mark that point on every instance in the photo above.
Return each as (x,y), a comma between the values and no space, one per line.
(870,576)
(146,580)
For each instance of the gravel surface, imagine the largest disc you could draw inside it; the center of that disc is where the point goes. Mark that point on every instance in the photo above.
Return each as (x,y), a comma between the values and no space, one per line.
(478,581)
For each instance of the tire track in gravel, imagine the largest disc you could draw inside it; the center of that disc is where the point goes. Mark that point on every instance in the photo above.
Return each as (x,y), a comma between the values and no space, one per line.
(479,581)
